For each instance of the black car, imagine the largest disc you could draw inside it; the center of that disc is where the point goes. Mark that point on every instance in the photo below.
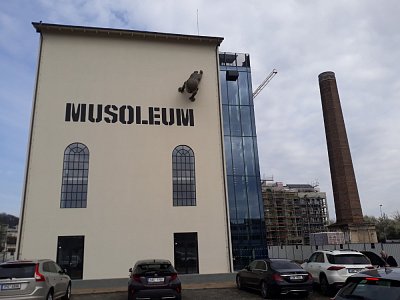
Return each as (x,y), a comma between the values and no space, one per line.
(376,260)
(275,277)
(154,279)
(382,283)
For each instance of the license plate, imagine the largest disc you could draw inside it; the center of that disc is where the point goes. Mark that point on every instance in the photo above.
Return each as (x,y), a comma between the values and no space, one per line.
(354,270)
(296,277)
(11,286)
(155,280)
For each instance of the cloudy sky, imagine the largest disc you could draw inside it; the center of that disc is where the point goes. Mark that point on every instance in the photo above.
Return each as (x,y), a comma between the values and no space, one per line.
(357,39)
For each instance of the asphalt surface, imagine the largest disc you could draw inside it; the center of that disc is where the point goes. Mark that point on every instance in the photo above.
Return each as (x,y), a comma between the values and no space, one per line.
(194,287)
(199,294)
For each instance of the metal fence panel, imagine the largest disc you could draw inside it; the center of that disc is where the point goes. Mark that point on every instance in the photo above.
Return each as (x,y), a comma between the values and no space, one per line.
(301,252)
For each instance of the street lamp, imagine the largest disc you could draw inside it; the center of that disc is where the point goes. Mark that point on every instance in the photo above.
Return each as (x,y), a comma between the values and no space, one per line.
(383,223)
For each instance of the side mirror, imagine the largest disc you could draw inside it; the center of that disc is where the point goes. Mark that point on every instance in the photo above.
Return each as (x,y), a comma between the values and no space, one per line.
(247,268)
(306,260)
(130,270)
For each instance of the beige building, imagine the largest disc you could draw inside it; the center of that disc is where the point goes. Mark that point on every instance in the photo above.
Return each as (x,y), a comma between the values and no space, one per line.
(122,166)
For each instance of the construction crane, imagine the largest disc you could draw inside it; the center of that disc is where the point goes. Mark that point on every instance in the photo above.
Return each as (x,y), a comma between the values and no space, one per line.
(264,83)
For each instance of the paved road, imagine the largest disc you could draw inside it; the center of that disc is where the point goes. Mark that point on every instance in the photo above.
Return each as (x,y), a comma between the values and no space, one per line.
(200,294)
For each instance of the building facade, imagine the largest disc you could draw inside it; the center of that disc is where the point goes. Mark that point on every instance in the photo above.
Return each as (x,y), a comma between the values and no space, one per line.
(242,165)
(292,212)
(123,165)
(8,240)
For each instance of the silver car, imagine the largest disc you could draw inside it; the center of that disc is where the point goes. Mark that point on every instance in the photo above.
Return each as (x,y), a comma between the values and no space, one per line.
(33,279)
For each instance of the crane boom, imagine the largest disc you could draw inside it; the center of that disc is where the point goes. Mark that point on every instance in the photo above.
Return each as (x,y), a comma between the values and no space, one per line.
(264,83)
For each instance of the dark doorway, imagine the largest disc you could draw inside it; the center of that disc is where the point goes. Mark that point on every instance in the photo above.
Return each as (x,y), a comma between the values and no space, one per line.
(70,255)
(186,253)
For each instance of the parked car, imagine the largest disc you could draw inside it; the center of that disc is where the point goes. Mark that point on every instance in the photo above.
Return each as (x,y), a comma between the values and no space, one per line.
(275,277)
(33,279)
(382,283)
(154,279)
(376,260)
(330,268)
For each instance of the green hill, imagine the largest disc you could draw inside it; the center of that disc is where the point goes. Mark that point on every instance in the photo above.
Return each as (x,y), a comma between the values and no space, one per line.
(10,220)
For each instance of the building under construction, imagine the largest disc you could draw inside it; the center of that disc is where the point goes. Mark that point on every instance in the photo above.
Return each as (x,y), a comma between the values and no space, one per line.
(292,212)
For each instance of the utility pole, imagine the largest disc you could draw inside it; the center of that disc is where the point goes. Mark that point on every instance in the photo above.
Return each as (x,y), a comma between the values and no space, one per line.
(383,220)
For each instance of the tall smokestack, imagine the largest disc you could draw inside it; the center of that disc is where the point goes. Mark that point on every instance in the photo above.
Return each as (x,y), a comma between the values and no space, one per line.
(344,185)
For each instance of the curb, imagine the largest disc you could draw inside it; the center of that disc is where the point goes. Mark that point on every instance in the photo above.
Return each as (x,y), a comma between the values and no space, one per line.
(192,286)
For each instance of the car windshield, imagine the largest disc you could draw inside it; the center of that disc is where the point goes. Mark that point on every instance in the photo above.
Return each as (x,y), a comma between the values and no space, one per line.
(348,259)
(369,289)
(17,271)
(144,269)
(282,264)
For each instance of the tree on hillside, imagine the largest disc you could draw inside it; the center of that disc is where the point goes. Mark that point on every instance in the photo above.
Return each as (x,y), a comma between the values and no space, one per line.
(9,220)
(370,219)
(386,228)
(396,216)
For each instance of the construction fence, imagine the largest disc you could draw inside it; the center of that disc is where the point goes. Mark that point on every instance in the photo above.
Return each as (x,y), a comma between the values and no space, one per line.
(301,252)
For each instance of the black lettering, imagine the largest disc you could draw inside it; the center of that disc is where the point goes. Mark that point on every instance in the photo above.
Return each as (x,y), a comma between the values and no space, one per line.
(114,116)
(156,115)
(138,115)
(99,115)
(78,114)
(151,115)
(164,117)
(127,114)
(144,121)
(187,119)
(178,117)
(122,114)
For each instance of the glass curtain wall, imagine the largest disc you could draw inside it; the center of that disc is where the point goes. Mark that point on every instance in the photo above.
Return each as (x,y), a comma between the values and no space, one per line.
(242,166)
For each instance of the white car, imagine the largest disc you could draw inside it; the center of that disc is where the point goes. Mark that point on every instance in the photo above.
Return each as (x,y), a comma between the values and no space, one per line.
(330,268)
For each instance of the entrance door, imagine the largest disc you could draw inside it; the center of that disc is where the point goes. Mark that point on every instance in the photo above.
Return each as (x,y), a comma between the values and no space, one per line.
(186,253)
(70,255)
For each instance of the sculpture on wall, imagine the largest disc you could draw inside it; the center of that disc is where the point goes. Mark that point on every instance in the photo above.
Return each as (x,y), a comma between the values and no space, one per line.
(192,84)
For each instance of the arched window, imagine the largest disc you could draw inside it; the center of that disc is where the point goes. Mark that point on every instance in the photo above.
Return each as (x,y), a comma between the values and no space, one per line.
(183,176)
(75,176)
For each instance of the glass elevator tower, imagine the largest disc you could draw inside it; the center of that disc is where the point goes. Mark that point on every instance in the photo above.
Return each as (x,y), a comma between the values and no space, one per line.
(242,166)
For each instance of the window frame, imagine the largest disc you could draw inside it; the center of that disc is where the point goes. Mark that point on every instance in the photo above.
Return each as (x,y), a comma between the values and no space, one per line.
(183,176)
(75,176)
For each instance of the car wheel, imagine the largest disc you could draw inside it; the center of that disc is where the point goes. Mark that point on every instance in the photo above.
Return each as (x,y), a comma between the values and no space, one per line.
(67,295)
(239,283)
(265,292)
(50,295)
(325,286)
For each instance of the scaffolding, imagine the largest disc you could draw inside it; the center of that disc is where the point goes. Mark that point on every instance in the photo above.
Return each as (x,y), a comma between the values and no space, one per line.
(292,212)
